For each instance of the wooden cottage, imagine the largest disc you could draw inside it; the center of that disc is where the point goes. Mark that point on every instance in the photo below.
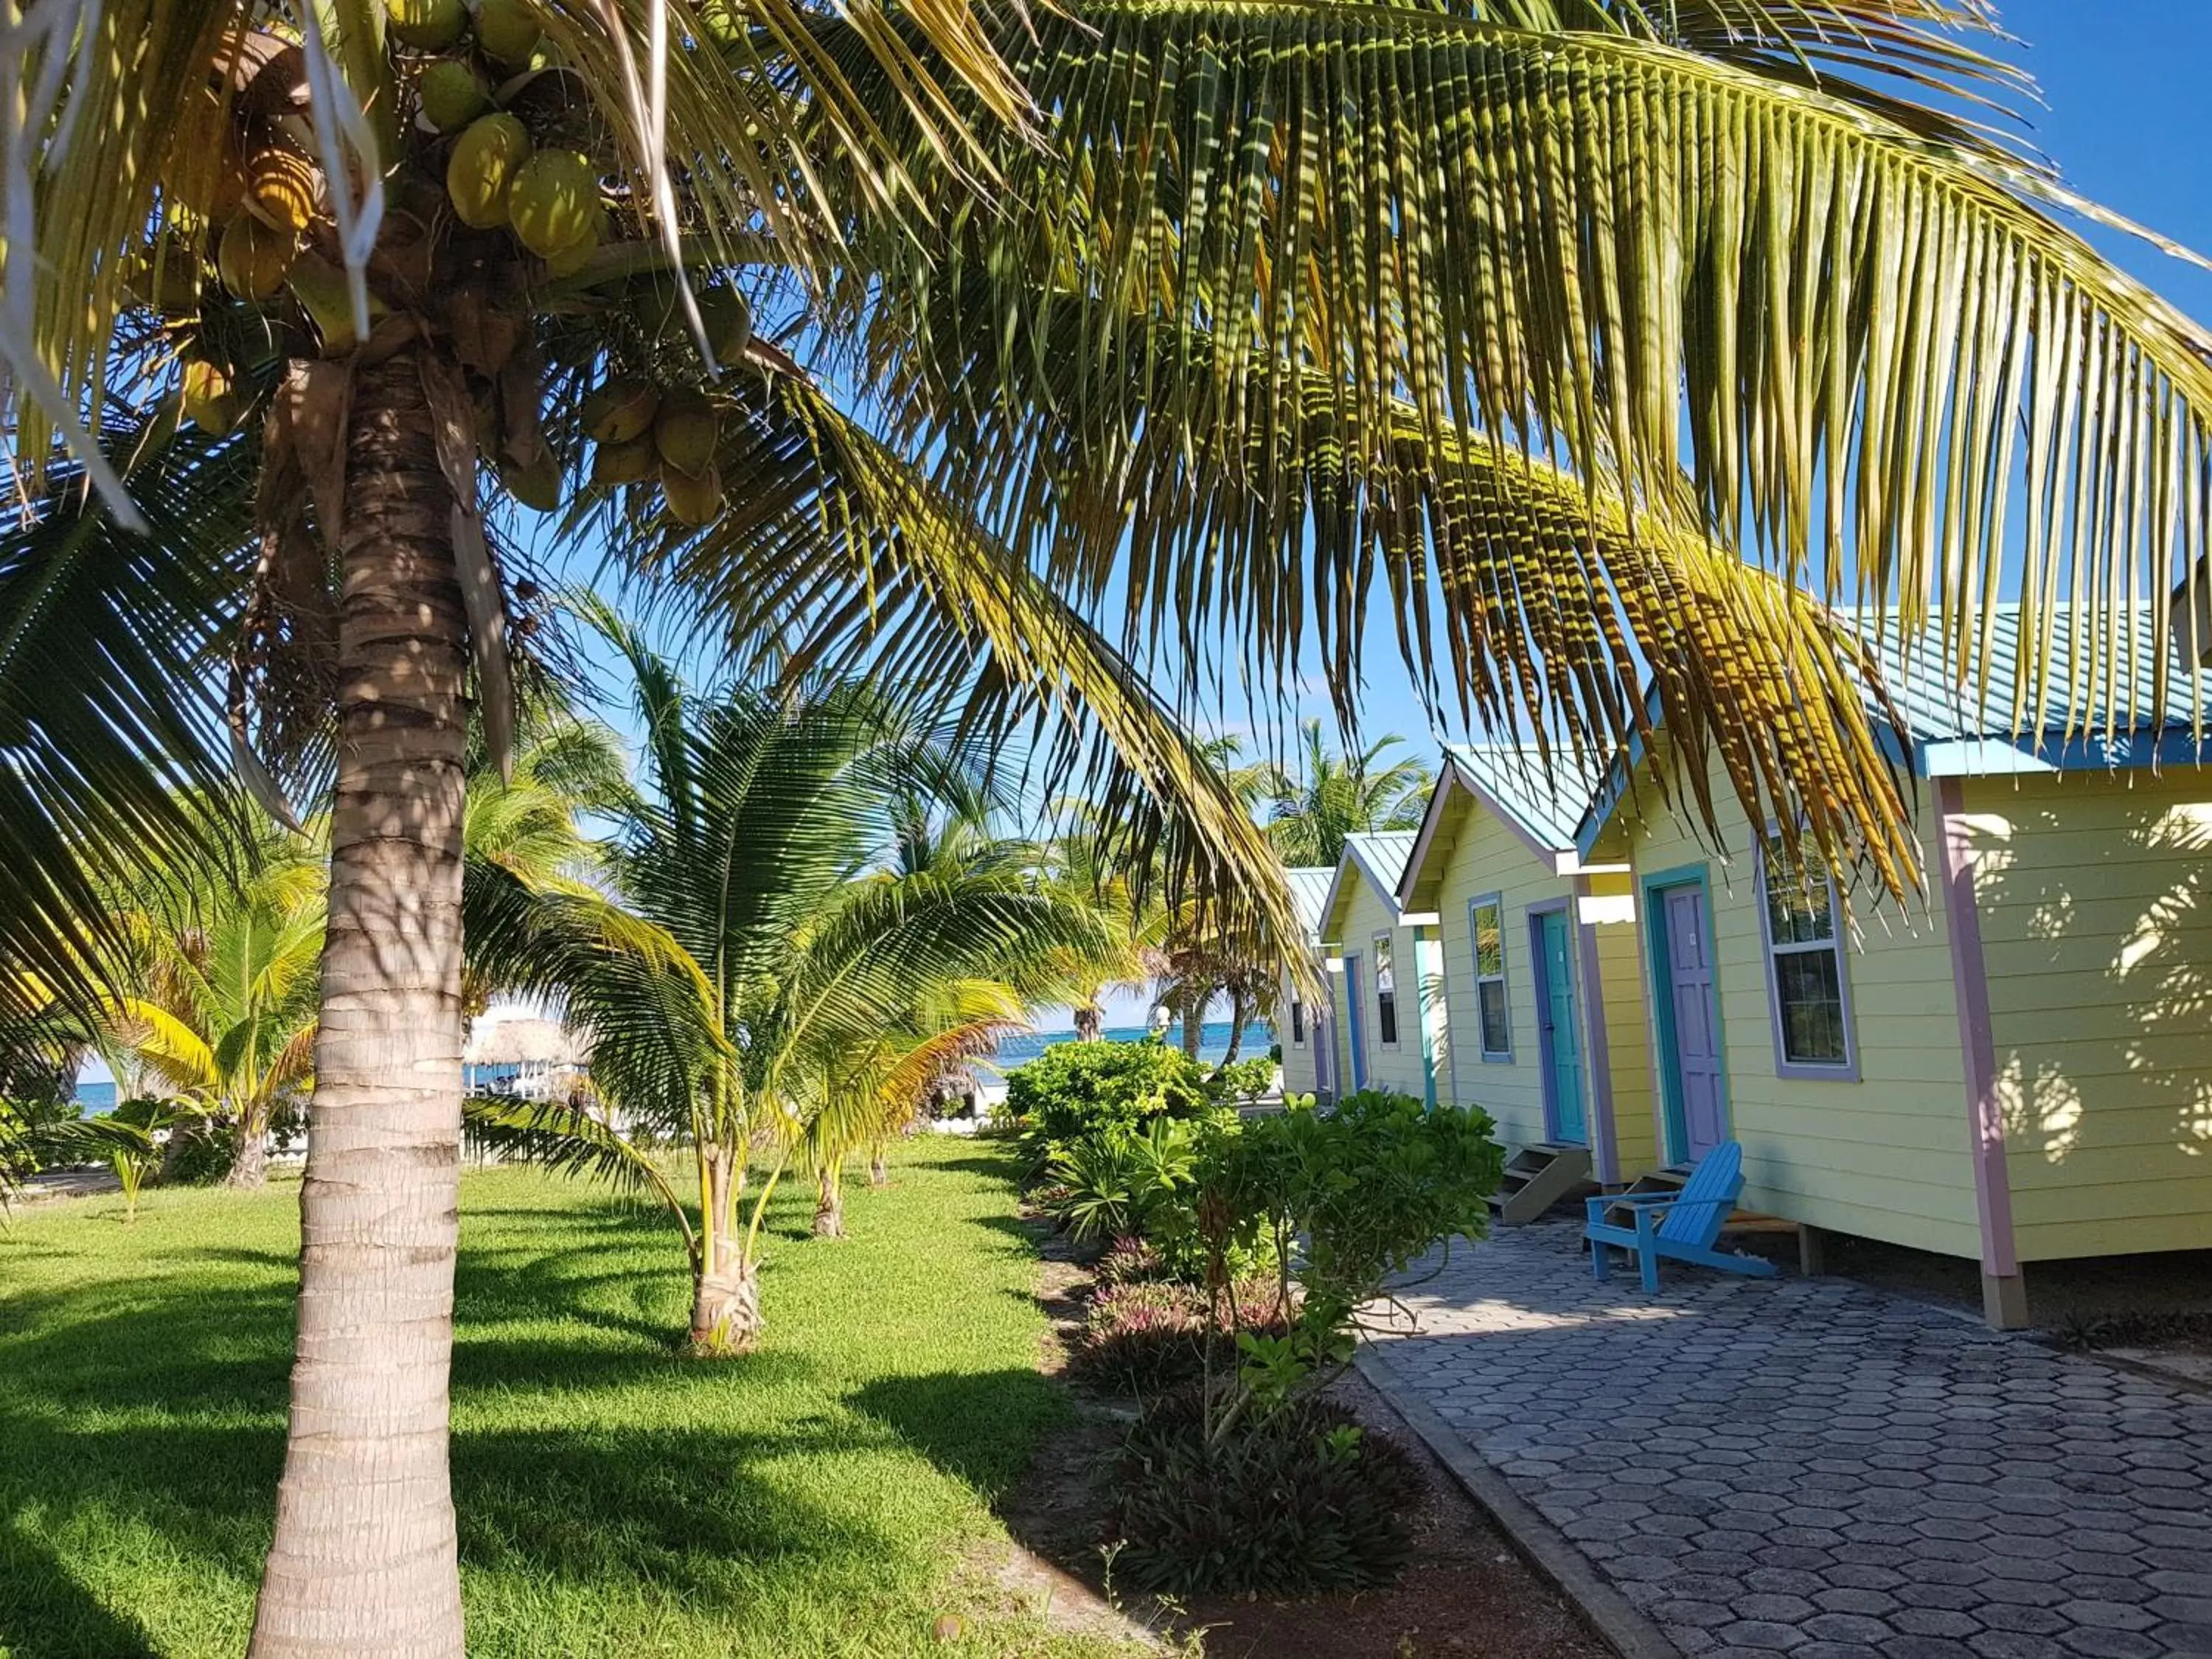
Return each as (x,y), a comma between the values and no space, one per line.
(1303,1030)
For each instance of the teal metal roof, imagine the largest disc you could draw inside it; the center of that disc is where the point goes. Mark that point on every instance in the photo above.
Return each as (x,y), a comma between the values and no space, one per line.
(1310,886)
(1382,854)
(1993,726)
(1545,805)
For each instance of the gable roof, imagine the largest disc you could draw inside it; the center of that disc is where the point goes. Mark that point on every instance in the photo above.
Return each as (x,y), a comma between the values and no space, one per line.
(1380,855)
(1956,730)
(1310,886)
(1542,807)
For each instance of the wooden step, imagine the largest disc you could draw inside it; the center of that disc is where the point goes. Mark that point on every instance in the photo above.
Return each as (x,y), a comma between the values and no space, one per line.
(1539,1176)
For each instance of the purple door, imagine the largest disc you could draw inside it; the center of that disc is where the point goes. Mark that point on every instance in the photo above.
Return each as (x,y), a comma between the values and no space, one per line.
(1698,1105)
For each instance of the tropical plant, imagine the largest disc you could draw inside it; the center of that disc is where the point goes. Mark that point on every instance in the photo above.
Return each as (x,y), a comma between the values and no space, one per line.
(769,969)
(1086,863)
(1075,1091)
(1320,287)
(221,1012)
(134,1136)
(1332,796)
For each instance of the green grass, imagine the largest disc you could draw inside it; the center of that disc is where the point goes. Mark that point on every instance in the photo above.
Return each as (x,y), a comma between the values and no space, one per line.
(828,1496)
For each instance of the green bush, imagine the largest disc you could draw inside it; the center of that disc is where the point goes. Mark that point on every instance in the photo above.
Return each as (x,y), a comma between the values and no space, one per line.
(1074,1091)
(1303,1499)
(1248,1079)
(1147,1336)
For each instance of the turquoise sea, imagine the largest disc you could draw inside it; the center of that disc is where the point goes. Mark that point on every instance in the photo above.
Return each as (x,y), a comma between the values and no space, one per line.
(1213,1043)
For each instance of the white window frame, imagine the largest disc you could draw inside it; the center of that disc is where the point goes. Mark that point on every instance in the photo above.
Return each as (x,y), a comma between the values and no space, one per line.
(1385,957)
(1495,902)
(1846,1070)
(1298,1022)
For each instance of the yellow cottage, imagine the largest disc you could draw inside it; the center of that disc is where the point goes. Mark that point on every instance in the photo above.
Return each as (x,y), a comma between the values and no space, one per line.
(1383,1031)
(2018,1071)
(1304,1031)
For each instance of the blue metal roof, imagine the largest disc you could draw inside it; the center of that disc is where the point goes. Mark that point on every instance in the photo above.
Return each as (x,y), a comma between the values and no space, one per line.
(1993,724)
(1546,805)
(1382,854)
(1310,886)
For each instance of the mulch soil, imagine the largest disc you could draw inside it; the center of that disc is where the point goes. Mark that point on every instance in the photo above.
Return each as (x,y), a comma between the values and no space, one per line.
(1467,1593)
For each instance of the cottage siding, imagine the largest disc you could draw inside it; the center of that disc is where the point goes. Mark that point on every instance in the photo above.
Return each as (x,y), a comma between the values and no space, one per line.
(2095,893)
(1486,857)
(1301,1061)
(1886,1157)
(1362,912)
(1635,1123)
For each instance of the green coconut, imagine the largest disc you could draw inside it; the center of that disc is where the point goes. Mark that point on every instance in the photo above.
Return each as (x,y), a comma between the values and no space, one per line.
(453,93)
(538,485)
(570,260)
(620,411)
(167,282)
(685,430)
(484,161)
(211,400)
(694,498)
(426,25)
(553,201)
(252,258)
(508,30)
(623,463)
(729,322)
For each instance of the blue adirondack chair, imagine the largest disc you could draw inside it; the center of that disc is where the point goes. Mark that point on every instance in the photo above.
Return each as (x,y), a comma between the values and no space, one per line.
(1680,1224)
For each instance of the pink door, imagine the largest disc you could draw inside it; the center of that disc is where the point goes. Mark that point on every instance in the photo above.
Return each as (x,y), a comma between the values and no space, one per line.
(1698,1102)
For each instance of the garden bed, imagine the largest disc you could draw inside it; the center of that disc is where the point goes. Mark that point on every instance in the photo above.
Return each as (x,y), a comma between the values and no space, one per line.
(1466,1594)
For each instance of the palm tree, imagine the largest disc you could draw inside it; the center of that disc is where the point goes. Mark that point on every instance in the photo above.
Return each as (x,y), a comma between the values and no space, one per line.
(223,1012)
(1332,796)
(762,969)
(1087,862)
(1325,290)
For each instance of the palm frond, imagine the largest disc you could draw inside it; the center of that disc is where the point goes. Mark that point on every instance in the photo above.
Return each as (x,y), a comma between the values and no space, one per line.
(570,1140)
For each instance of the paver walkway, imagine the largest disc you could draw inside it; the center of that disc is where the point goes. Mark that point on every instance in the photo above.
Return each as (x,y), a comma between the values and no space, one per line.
(1815,1468)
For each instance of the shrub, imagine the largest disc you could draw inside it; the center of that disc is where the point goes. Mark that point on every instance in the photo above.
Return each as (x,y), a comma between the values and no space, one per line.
(1248,1079)
(1076,1090)
(1145,1337)
(1130,1260)
(1303,1499)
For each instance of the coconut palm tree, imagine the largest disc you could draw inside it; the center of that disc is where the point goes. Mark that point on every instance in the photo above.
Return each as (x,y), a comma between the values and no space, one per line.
(762,969)
(221,1015)
(1332,796)
(1327,290)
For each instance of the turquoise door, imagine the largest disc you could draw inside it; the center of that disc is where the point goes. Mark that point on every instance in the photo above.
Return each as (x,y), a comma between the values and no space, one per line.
(1560,1029)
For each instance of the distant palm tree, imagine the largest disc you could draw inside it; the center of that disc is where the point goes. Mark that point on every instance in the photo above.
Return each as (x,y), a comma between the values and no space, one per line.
(762,966)
(222,1009)
(1333,795)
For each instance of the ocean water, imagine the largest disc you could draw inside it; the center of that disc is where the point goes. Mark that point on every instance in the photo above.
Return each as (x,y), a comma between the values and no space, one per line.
(1213,1043)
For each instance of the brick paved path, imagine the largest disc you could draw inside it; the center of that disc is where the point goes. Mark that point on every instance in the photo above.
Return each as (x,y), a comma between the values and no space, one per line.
(1815,1468)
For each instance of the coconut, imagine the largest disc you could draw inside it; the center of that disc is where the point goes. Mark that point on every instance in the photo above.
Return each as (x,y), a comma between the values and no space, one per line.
(482,165)
(538,485)
(166,280)
(693,499)
(571,260)
(623,463)
(324,293)
(553,202)
(427,25)
(252,258)
(283,186)
(452,94)
(508,30)
(620,411)
(729,323)
(211,401)
(685,430)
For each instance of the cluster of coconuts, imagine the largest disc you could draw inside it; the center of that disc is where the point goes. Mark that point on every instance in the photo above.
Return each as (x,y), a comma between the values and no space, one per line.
(642,431)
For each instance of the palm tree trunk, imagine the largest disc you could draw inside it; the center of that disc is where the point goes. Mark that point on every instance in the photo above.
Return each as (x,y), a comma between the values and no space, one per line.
(249,1154)
(1194,1025)
(1239,1012)
(364,1560)
(879,1169)
(1089,1022)
(725,1313)
(829,1204)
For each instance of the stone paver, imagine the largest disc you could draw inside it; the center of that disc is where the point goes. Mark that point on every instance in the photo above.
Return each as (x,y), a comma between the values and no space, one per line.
(1816,1467)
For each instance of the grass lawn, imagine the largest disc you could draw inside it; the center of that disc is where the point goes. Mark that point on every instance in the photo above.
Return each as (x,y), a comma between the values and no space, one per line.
(828,1495)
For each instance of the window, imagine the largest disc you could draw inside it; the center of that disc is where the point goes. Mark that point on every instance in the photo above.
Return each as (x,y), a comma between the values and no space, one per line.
(1386,990)
(1298,1023)
(1486,921)
(1805,963)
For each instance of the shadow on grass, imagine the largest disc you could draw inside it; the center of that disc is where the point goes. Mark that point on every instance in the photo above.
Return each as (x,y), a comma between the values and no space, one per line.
(966,1422)
(45,1613)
